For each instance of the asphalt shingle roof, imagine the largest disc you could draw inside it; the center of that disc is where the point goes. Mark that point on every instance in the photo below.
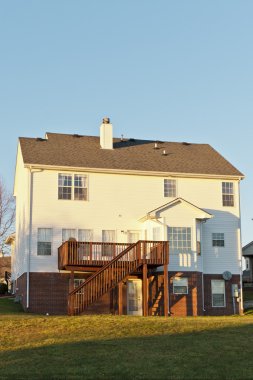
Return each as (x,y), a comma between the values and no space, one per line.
(133,154)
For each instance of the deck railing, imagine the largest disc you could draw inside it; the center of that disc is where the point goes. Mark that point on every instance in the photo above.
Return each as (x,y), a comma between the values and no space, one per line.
(115,271)
(76,253)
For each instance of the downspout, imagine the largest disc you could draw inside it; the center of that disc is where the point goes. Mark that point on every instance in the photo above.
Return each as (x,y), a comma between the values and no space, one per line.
(240,246)
(29,238)
(31,172)
(202,280)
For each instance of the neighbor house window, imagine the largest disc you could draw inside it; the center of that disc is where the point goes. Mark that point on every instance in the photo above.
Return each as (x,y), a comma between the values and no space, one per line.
(218,293)
(247,265)
(72,187)
(180,285)
(170,188)
(68,233)
(227,193)
(218,239)
(180,238)
(44,243)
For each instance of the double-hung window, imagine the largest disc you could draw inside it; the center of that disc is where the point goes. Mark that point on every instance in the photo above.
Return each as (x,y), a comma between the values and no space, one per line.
(44,242)
(218,239)
(73,187)
(228,194)
(218,293)
(169,188)
(68,233)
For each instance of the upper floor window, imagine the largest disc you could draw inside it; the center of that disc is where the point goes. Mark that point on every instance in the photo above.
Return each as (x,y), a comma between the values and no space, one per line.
(72,187)
(218,239)
(228,194)
(44,243)
(170,188)
(180,237)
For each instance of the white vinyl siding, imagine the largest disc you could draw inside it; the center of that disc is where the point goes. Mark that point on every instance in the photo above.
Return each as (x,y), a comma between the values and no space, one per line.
(180,285)
(218,293)
(44,242)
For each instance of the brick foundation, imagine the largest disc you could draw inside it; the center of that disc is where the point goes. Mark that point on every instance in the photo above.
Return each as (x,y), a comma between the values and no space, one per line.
(229,308)
(49,294)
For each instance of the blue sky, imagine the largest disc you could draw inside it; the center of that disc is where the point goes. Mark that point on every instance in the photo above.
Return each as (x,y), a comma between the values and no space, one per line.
(168,70)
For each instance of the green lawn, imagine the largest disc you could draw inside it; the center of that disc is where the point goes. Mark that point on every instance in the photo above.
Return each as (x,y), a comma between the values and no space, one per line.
(113,347)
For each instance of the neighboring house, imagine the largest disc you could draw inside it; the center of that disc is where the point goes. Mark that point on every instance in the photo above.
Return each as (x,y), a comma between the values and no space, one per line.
(5,269)
(94,216)
(247,252)
(11,242)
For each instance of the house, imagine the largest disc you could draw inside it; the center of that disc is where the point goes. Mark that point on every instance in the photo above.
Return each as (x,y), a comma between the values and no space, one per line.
(5,269)
(247,252)
(126,226)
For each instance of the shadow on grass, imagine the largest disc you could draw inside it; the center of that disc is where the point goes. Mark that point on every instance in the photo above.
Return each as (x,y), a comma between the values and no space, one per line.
(223,353)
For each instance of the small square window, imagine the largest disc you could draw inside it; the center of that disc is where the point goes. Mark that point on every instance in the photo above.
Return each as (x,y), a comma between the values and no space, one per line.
(218,239)
(180,285)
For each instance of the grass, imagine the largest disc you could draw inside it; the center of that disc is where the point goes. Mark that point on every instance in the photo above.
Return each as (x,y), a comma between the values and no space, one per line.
(114,347)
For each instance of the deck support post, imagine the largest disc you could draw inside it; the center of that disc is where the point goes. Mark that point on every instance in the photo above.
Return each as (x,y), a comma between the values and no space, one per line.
(72,277)
(120,304)
(166,291)
(166,282)
(145,289)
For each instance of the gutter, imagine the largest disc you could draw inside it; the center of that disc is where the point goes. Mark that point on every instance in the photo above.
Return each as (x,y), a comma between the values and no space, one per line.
(136,172)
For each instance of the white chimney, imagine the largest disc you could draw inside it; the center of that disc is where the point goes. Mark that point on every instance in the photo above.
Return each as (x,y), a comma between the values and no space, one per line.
(106,138)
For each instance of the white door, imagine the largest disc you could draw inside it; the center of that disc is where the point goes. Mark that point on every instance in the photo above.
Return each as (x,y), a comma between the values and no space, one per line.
(134,297)
(133,236)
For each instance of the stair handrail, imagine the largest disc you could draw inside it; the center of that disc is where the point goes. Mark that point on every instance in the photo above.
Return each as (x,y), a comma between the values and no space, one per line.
(109,263)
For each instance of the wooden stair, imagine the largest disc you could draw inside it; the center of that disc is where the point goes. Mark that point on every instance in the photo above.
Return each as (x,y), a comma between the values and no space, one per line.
(115,271)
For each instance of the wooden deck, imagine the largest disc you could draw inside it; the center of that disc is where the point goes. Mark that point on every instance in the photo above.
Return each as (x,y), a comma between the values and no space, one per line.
(111,263)
(93,255)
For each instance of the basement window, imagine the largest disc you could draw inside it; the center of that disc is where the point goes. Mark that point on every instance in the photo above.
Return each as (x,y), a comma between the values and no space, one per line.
(218,293)
(180,285)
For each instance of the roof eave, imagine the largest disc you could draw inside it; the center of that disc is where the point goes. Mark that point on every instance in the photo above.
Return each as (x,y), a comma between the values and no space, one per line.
(136,172)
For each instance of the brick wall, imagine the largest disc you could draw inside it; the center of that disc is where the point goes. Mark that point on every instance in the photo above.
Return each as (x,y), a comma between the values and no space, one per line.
(228,310)
(49,294)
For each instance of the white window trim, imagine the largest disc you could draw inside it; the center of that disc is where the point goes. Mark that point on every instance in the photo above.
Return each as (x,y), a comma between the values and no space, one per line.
(218,246)
(224,293)
(73,187)
(169,196)
(181,278)
(43,228)
(234,205)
